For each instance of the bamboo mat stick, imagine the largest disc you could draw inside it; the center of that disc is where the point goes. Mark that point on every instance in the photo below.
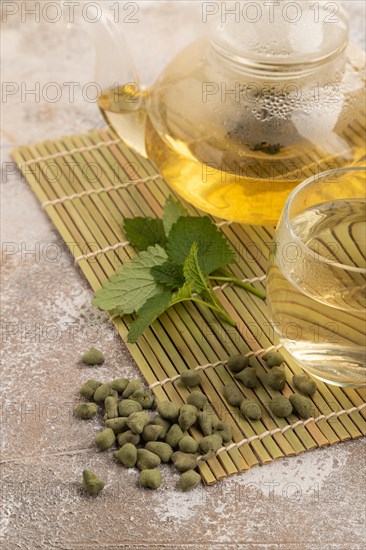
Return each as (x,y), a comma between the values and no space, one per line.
(60,216)
(84,230)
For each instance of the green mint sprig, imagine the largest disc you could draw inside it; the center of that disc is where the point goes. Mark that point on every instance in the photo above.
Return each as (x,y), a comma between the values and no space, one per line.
(179,257)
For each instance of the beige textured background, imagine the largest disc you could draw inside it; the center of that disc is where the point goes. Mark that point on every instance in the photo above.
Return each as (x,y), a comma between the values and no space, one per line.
(307,502)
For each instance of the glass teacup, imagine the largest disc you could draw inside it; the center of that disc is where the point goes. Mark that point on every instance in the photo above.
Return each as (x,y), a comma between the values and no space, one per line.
(317,276)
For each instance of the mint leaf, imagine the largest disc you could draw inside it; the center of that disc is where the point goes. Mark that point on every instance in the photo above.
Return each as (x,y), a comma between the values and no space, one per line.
(213,249)
(196,283)
(147,285)
(148,313)
(168,274)
(154,307)
(173,210)
(145,232)
(192,272)
(133,284)
(200,284)
(183,294)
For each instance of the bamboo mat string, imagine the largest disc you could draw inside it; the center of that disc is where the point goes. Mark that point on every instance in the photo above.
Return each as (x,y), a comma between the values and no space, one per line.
(98,191)
(237,445)
(70,152)
(252,280)
(288,427)
(126,243)
(101,251)
(213,365)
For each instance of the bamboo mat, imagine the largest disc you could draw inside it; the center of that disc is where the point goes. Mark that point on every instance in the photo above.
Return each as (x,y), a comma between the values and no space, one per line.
(87,185)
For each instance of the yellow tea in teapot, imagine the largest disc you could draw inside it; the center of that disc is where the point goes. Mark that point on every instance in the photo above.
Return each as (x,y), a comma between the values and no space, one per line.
(224,175)
(253,192)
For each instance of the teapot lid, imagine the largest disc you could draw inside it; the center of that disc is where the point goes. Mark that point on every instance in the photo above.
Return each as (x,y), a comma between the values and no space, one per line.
(267,34)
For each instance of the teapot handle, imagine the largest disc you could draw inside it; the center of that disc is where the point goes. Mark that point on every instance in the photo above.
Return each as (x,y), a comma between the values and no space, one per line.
(122,99)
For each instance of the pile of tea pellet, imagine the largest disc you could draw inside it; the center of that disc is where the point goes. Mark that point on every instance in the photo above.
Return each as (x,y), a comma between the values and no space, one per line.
(280,406)
(145,440)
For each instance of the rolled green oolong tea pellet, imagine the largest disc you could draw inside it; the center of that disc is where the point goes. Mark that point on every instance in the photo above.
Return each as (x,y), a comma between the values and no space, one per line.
(163,450)
(146,460)
(93,357)
(145,399)
(131,387)
(102,393)
(152,432)
(137,421)
(302,405)
(304,384)
(189,480)
(223,430)
(197,399)
(174,435)
(273,358)
(128,437)
(237,363)
(248,377)
(205,419)
(187,416)
(280,406)
(86,411)
(251,409)
(233,395)
(184,461)
(111,407)
(188,444)
(168,410)
(211,443)
(128,406)
(119,384)
(88,389)
(276,379)
(127,455)
(118,425)
(105,439)
(190,378)
(92,483)
(165,424)
(150,479)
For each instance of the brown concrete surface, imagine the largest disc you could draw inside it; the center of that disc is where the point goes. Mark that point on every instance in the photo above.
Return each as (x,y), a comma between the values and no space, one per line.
(308,502)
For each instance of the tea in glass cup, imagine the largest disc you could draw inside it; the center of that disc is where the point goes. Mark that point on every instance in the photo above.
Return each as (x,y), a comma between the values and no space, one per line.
(317,276)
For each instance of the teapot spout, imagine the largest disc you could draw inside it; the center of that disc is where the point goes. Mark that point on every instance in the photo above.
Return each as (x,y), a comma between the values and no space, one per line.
(121,99)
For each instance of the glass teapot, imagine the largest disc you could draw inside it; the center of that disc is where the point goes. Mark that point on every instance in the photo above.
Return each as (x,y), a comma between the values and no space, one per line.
(273,94)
